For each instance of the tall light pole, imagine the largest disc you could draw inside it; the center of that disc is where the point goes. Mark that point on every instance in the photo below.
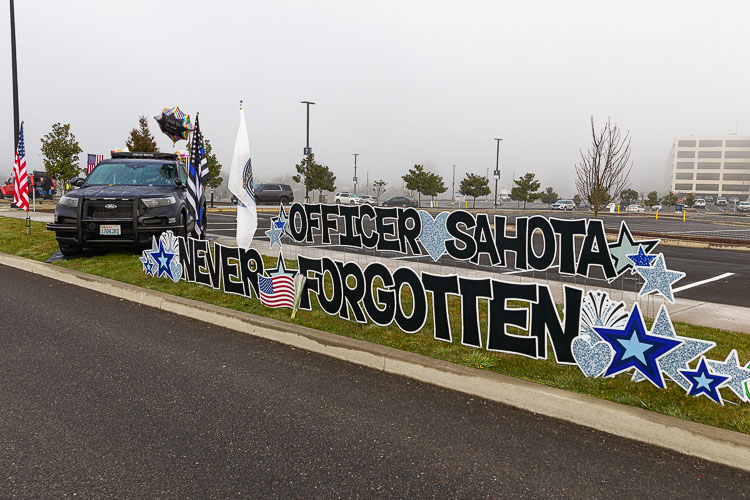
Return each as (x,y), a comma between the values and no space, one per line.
(14,69)
(355,172)
(308,149)
(453,186)
(368,183)
(497,169)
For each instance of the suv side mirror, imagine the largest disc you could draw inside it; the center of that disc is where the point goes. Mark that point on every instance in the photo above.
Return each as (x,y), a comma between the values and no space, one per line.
(77,182)
(178,182)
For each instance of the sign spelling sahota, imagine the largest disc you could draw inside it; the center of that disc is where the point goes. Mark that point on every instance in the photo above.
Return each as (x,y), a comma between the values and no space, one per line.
(597,334)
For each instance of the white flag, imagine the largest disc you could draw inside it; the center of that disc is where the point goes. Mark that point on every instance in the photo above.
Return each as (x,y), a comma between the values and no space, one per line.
(241,185)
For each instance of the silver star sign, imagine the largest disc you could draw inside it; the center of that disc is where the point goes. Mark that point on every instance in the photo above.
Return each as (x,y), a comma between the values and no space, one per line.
(732,368)
(659,278)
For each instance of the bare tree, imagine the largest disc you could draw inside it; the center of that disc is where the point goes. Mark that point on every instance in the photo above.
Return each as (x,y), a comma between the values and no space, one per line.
(605,167)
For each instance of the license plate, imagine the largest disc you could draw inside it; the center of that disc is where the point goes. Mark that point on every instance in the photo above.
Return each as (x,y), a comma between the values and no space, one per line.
(109,230)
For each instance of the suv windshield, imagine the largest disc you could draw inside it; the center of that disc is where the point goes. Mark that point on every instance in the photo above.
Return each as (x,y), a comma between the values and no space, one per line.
(136,174)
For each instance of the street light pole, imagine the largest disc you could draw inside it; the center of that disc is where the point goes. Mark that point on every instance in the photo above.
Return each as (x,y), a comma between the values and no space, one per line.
(497,169)
(14,69)
(453,186)
(308,151)
(355,172)
(368,183)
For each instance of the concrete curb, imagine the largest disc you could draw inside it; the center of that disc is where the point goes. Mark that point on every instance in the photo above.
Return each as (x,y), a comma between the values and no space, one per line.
(703,441)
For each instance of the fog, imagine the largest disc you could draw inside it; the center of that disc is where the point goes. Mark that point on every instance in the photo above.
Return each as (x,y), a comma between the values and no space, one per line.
(398,82)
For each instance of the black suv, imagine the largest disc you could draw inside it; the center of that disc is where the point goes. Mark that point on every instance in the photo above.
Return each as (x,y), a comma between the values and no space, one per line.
(271,193)
(125,200)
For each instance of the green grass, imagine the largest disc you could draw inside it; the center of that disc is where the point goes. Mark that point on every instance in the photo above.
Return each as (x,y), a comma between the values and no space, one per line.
(126,268)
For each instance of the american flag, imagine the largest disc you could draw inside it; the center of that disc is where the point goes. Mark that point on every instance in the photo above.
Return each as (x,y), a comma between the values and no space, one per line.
(277,291)
(92,162)
(20,179)
(197,167)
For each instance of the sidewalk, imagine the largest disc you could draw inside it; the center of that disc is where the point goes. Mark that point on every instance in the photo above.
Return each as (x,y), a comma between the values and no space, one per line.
(700,313)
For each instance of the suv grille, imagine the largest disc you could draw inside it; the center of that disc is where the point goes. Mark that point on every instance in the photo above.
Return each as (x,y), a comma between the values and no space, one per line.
(97,209)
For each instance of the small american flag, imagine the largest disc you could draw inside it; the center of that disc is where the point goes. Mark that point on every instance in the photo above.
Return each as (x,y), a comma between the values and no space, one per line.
(277,291)
(20,178)
(92,162)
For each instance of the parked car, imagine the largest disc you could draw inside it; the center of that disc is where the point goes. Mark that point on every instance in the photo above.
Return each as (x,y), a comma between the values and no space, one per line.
(709,198)
(271,193)
(347,199)
(721,201)
(699,203)
(400,201)
(370,199)
(564,205)
(126,200)
(636,208)
(657,207)
(734,199)
(43,185)
(743,206)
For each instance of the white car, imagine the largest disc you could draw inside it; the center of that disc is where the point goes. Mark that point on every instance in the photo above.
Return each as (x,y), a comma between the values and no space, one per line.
(636,208)
(743,206)
(564,205)
(657,207)
(699,203)
(368,198)
(347,199)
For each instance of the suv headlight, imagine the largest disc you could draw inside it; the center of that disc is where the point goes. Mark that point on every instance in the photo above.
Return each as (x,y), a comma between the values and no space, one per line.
(68,201)
(159,202)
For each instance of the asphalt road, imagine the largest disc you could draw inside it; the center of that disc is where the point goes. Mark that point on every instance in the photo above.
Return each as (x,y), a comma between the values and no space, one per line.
(101,397)
(718,276)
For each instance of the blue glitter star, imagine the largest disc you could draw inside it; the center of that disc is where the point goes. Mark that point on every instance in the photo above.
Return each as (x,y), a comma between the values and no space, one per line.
(659,278)
(634,348)
(678,359)
(434,233)
(276,231)
(641,259)
(163,259)
(704,382)
(282,218)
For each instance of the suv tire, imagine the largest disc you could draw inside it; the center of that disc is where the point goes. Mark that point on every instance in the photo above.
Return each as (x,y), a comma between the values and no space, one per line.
(284,200)
(68,251)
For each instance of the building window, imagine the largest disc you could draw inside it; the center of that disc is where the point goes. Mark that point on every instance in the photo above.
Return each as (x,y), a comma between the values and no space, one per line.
(707,187)
(735,177)
(684,187)
(709,154)
(710,144)
(707,177)
(737,165)
(686,144)
(684,176)
(738,143)
(709,165)
(735,188)
(685,154)
(737,154)
(683,165)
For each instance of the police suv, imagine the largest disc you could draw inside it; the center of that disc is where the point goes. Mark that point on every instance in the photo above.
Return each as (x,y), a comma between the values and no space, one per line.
(125,201)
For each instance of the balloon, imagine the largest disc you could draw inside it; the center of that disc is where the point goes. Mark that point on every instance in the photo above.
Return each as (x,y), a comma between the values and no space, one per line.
(174,123)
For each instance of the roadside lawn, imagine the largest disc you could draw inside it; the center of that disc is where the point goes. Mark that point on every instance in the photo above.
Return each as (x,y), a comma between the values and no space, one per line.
(125,267)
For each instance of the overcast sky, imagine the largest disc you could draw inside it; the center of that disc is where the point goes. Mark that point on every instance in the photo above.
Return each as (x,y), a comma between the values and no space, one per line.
(399,82)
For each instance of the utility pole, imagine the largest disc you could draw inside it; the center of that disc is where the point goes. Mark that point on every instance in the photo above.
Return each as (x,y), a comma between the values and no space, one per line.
(368,183)
(497,169)
(14,69)
(453,185)
(355,172)
(308,149)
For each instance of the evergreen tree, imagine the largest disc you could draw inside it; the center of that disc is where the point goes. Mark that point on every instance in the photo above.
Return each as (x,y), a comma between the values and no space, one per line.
(549,196)
(141,138)
(474,186)
(526,189)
